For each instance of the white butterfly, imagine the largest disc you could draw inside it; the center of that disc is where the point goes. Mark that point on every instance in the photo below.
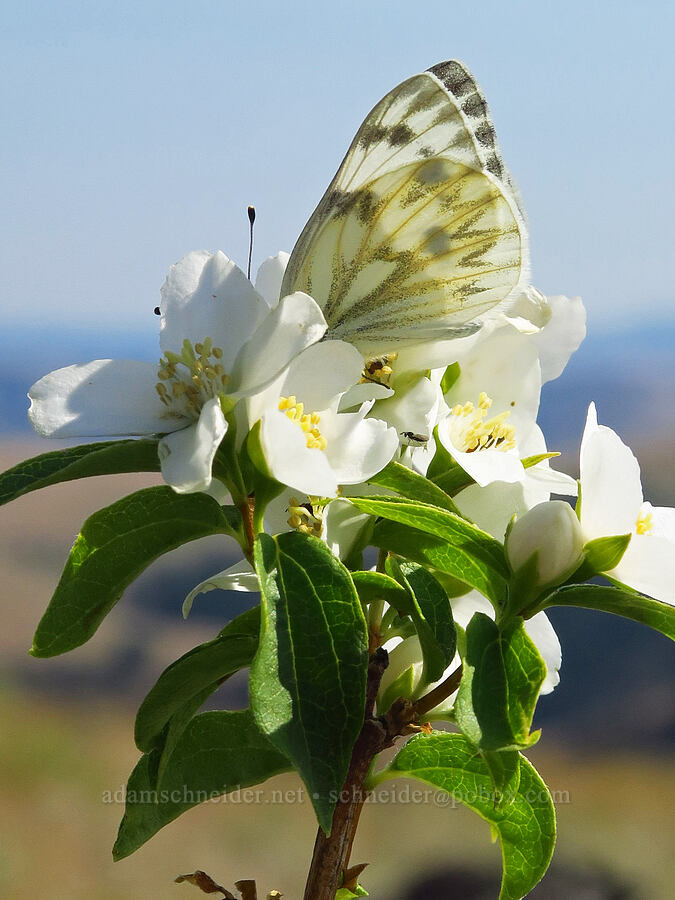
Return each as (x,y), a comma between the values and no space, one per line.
(419,234)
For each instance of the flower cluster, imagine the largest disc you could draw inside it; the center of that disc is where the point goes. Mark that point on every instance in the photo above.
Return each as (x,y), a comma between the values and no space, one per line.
(322,421)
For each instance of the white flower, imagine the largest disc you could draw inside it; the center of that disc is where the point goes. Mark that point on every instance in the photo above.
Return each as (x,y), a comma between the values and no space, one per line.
(220,340)
(308,443)
(552,531)
(612,504)
(408,652)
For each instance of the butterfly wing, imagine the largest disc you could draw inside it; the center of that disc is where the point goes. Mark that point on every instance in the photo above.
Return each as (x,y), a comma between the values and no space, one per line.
(416,236)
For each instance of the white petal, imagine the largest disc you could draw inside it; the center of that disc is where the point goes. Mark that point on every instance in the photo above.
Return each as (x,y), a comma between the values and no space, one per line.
(103,397)
(529,312)
(464,607)
(648,566)
(558,340)
(290,460)
(343,525)
(611,493)
(486,466)
(269,278)
(357,448)
(239,577)
(207,295)
(412,410)
(186,456)
(505,365)
(294,324)
(546,641)
(492,507)
(321,373)
(361,393)
(664,522)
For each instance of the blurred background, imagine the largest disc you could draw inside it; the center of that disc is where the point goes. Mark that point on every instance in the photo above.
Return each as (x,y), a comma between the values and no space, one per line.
(141,131)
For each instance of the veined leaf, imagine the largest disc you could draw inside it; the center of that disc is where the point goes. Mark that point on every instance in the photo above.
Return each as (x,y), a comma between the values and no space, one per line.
(502,675)
(413,486)
(217,753)
(432,616)
(440,539)
(69,463)
(115,545)
(308,678)
(202,668)
(620,601)
(525,826)
(378,586)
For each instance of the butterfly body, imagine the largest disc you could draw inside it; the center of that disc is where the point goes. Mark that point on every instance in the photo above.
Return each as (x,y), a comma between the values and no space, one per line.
(419,234)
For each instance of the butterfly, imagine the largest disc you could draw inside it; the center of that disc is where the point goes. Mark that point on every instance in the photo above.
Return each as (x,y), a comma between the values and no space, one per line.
(420,233)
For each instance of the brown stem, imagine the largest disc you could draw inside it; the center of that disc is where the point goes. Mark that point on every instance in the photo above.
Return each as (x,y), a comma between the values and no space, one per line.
(332,852)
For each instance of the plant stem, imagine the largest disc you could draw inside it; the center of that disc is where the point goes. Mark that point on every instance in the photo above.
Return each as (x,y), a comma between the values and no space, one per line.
(330,859)
(331,852)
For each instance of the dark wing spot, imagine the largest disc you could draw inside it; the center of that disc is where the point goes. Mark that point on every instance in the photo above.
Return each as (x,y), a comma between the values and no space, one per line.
(157,311)
(475,106)
(425,152)
(454,76)
(494,165)
(371,133)
(400,134)
(485,134)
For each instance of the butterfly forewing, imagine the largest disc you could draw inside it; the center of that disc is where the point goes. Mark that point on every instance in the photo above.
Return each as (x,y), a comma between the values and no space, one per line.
(414,237)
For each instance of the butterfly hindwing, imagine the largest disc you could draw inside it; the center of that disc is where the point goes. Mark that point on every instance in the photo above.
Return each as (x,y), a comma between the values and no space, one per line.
(414,237)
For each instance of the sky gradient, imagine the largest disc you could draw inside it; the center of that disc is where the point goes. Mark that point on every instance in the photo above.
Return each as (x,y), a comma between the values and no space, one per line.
(141,131)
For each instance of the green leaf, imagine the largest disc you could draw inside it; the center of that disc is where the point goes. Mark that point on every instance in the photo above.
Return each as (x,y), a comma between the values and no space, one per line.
(69,463)
(449,543)
(504,769)
(525,827)
(115,545)
(432,616)
(202,668)
(308,678)
(450,376)
(604,554)
(502,675)
(378,586)
(529,461)
(217,753)
(446,472)
(620,601)
(413,486)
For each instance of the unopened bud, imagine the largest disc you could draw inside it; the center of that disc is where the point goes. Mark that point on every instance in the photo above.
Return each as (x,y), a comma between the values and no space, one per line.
(552,531)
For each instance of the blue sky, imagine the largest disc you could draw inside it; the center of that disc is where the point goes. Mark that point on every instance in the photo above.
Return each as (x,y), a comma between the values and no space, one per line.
(140,131)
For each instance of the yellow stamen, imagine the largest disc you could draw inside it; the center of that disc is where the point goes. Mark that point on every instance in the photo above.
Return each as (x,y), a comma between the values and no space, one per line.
(308,422)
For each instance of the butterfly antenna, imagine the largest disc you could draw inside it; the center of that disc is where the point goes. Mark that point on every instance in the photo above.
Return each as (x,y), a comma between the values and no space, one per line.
(251,219)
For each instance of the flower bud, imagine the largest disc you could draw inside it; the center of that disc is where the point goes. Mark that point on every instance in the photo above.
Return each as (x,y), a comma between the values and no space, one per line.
(552,531)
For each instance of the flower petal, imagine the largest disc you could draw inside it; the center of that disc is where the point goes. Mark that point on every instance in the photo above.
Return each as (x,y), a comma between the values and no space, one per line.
(294,324)
(239,577)
(546,641)
(290,460)
(648,566)
(186,456)
(321,373)
(103,397)
(207,295)
(357,448)
(343,525)
(561,336)
(269,278)
(412,410)
(611,492)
